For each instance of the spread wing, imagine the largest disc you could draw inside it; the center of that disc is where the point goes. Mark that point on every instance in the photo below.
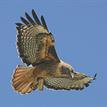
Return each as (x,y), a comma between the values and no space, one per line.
(35,43)
(78,82)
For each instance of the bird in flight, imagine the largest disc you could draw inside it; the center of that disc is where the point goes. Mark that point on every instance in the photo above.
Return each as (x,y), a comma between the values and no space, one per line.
(36,47)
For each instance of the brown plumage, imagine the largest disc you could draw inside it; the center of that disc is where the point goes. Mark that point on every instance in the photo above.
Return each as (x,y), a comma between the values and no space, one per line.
(36,47)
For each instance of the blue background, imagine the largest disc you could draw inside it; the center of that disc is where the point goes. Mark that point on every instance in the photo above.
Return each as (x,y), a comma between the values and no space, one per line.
(80,30)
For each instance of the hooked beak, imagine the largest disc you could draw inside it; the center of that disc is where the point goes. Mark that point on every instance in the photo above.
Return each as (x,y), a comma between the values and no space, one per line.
(72,74)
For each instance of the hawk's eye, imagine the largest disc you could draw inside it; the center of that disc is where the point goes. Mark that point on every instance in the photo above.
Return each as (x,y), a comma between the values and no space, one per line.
(68,71)
(65,70)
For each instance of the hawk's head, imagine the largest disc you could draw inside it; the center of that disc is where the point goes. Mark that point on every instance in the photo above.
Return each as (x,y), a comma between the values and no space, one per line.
(67,69)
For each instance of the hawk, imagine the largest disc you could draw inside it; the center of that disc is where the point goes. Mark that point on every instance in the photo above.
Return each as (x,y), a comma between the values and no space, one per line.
(36,47)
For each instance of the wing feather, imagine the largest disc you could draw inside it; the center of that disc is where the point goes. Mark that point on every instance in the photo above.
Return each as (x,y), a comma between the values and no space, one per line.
(29,18)
(35,17)
(24,21)
(44,23)
(35,44)
(77,83)
(19,24)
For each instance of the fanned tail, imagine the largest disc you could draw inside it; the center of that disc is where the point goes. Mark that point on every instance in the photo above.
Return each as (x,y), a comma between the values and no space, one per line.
(23,80)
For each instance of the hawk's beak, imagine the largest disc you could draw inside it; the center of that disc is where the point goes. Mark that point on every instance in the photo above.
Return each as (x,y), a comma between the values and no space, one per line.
(72,74)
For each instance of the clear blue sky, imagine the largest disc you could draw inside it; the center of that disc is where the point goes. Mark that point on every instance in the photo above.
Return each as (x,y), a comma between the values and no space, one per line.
(80,30)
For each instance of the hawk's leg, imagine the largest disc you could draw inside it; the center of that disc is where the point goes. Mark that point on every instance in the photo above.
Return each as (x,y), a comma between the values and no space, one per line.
(40,84)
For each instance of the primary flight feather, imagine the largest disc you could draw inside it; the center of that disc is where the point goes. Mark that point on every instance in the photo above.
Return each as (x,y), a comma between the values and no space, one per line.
(36,46)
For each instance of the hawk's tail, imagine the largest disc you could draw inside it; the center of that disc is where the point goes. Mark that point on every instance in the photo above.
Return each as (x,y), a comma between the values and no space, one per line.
(23,80)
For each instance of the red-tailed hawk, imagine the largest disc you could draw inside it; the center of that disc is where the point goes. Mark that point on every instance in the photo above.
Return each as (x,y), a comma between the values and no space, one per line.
(36,47)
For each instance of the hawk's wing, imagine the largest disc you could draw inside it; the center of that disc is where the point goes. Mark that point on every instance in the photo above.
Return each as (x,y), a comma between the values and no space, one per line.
(35,43)
(27,79)
(78,82)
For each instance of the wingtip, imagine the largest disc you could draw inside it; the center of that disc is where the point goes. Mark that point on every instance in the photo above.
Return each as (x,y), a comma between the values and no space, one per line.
(26,13)
(15,23)
(21,18)
(44,23)
(42,16)
(94,78)
(33,10)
